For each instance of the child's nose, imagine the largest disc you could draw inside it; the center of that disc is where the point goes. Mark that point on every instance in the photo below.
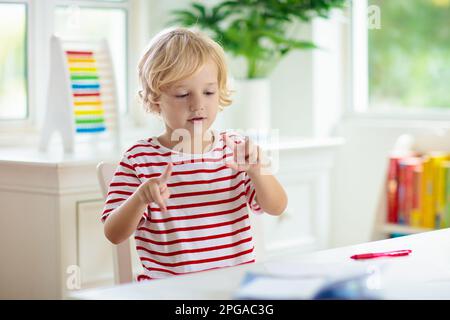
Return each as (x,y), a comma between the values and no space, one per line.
(196,102)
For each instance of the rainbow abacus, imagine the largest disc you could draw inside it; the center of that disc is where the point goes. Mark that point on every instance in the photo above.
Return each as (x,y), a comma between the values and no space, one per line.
(87,102)
(82,96)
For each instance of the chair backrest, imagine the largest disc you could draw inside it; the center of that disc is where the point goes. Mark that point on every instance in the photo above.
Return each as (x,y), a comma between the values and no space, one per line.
(123,268)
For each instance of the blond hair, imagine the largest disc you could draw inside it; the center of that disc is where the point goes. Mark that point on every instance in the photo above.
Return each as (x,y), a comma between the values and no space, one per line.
(175,54)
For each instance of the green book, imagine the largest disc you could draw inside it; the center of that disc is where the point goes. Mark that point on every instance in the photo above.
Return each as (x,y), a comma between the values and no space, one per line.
(446,166)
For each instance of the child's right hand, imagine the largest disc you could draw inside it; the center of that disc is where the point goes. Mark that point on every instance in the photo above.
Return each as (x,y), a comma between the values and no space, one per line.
(155,189)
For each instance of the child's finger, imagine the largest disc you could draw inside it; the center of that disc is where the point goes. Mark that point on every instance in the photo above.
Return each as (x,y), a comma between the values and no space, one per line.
(166,173)
(165,194)
(232,165)
(157,198)
(253,154)
(247,146)
(230,142)
(148,194)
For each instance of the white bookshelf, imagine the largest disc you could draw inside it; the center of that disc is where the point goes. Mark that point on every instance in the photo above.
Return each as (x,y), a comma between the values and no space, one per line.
(427,142)
(388,228)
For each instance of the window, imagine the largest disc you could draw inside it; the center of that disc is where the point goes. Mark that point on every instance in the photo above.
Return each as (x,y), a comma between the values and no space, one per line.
(13,65)
(402,64)
(25,24)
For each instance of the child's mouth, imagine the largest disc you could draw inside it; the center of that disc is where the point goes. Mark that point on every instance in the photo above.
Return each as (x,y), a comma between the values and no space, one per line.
(196,119)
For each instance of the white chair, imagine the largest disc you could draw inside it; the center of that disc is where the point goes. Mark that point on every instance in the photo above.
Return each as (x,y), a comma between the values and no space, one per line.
(123,268)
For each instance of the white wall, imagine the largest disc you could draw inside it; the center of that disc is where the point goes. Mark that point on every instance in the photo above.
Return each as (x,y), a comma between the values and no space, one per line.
(291,86)
(292,92)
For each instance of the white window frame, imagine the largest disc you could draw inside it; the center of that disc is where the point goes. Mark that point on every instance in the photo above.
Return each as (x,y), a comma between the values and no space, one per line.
(23,124)
(358,97)
(40,17)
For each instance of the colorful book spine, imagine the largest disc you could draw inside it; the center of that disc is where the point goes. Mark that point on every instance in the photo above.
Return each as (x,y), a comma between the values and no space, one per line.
(392,189)
(416,210)
(401,216)
(406,188)
(418,190)
(427,193)
(437,196)
(447,194)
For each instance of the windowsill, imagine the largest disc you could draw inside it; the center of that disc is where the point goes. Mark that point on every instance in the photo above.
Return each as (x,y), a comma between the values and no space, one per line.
(396,119)
(27,135)
(23,146)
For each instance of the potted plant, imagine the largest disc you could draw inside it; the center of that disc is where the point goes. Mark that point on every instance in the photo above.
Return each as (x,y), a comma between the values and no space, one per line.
(258,32)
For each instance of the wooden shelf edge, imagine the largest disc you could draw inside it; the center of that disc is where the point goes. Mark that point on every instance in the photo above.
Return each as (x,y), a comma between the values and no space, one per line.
(393,228)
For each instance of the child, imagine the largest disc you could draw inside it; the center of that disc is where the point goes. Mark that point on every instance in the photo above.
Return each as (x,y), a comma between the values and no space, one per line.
(188,210)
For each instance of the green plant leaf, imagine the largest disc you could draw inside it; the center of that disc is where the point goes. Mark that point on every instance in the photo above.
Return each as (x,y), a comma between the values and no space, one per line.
(256,30)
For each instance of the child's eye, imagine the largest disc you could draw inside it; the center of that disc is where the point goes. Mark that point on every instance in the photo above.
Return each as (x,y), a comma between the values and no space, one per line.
(185,95)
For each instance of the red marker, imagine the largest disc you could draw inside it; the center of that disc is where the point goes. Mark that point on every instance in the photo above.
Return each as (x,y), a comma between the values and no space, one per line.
(397,253)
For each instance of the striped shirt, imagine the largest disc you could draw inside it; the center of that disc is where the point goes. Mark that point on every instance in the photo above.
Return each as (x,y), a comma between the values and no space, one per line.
(207,223)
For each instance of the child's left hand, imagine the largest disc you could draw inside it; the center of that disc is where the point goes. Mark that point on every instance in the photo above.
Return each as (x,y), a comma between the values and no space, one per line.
(247,156)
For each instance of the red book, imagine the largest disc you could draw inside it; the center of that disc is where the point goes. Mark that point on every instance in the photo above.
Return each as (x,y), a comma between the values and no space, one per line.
(416,212)
(401,193)
(392,189)
(406,188)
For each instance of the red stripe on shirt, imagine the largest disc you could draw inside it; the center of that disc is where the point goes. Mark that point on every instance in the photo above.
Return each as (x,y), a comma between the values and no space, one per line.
(181,273)
(216,236)
(126,165)
(140,154)
(132,175)
(143,277)
(252,196)
(183,263)
(143,145)
(173,272)
(114,200)
(201,204)
(182,172)
(192,182)
(204,249)
(106,211)
(168,154)
(149,176)
(199,216)
(123,184)
(126,193)
(200,227)
(199,193)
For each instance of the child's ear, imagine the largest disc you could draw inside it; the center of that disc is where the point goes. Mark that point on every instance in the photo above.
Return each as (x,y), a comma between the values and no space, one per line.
(155,107)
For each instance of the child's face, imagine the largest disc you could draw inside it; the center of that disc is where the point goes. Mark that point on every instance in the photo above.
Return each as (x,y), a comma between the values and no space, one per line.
(190,98)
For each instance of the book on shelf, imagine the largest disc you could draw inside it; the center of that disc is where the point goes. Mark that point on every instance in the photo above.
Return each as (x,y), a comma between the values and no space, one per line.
(392,189)
(446,166)
(417,190)
(437,159)
(427,192)
(416,217)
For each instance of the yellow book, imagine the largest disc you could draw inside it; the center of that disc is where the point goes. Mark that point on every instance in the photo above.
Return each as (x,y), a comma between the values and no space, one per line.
(440,193)
(447,195)
(438,186)
(426,203)
(416,213)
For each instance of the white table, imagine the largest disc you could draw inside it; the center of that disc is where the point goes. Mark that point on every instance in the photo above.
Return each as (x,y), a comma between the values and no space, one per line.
(425,274)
